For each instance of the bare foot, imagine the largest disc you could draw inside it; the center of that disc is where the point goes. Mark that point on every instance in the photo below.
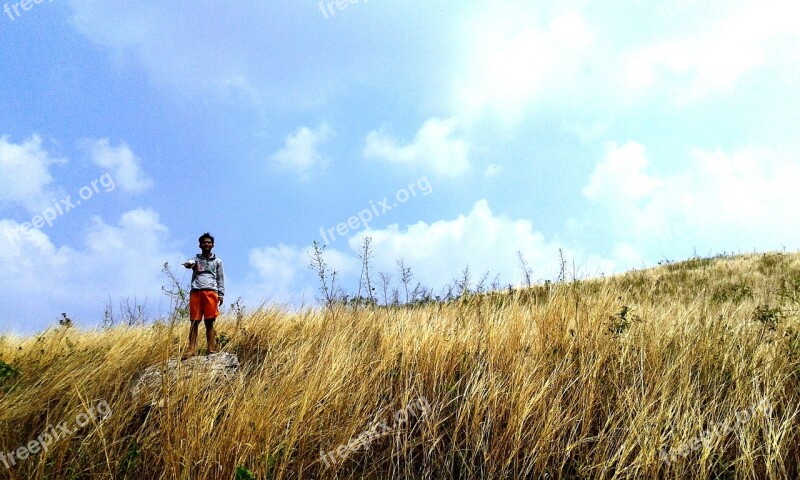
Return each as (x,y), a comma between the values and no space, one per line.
(187,356)
(210,352)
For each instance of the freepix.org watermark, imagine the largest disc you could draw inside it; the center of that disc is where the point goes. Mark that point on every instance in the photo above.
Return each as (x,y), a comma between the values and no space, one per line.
(715,430)
(327,6)
(375,210)
(51,434)
(63,206)
(415,408)
(13,10)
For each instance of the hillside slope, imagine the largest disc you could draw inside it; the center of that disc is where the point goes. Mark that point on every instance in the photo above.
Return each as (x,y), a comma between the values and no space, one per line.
(687,370)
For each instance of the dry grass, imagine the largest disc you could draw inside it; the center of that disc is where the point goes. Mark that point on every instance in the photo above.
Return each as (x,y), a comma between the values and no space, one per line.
(586,379)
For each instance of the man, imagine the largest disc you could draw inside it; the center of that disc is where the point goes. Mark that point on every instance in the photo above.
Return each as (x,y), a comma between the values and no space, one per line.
(207,292)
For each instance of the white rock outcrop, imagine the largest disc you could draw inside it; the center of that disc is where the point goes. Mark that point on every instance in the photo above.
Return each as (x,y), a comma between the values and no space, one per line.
(210,369)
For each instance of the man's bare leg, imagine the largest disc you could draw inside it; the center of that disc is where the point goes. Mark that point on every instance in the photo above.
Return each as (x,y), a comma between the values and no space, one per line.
(192,339)
(211,335)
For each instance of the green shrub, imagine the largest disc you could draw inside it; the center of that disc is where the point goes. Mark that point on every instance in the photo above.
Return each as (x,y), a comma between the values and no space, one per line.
(243,473)
(7,375)
(768,316)
(621,321)
(731,293)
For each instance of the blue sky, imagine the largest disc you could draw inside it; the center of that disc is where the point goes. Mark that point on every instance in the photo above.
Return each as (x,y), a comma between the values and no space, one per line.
(622,134)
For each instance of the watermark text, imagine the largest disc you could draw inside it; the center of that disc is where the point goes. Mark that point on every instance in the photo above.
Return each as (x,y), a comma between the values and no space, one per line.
(715,430)
(375,210)
(327,6)
(51,434)
(13,10)
(415,408)
(63,206)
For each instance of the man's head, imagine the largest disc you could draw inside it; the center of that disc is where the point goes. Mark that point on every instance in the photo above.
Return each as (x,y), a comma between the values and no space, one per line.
(206,242)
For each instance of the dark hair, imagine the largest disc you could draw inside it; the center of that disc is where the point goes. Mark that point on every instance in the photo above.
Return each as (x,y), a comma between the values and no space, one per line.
(205,235)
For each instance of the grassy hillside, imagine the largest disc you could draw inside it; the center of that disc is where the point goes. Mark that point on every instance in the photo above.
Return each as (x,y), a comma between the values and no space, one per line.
(688,370)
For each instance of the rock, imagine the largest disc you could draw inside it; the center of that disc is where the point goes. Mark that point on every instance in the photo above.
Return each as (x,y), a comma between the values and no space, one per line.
(211,369)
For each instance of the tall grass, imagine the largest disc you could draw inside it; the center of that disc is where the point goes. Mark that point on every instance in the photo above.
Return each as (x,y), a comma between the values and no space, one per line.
(582,379)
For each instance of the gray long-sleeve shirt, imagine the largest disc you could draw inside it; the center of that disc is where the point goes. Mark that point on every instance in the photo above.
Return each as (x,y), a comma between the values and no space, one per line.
(207,274)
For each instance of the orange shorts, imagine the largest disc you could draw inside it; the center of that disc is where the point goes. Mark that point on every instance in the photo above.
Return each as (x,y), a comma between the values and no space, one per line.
(203,304)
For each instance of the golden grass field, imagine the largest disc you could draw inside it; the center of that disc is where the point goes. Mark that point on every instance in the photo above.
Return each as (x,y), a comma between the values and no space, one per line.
(687,370)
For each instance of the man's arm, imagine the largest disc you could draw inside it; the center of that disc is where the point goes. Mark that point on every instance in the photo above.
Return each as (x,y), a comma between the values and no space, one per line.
(220,281)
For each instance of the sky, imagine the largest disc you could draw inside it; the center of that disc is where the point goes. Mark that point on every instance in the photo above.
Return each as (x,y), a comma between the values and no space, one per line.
(454,134)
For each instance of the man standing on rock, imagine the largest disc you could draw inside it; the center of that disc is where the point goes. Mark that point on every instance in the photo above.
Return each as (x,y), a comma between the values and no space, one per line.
(207,291)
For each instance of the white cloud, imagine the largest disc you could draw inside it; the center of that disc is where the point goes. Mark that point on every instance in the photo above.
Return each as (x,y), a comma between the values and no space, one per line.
(266,54)
(283,275)
(280,265)
(434,147)
(715,59)
(720,201)
(158,39)
(299,154)
(123,165)
(25,173)
(140,227)
(515,59)
(623,173)
(118,261)
(436,253)
(439,251)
